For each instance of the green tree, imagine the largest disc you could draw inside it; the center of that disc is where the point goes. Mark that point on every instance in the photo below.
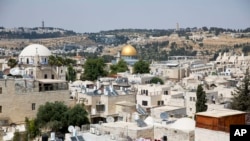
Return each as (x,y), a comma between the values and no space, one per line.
(155,80)
(93,68)
(71,74)
(12,62)
(77,115)
(246,49)
(201,100)
(108,58)
(17,136)
(60,61)
(68,61)
(241,96)
(32,129)
(52,60)
(121,66)
(57,117)
(51,116)
(141,67)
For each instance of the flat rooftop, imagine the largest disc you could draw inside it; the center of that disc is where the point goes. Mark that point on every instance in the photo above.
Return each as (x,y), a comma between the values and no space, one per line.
(167,108)
(125,125)
(51,81)
(125,103)
(220,113)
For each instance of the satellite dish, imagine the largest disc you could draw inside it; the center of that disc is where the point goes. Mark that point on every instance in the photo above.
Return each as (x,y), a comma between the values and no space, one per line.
(71,129)
(164,115)
(110,119)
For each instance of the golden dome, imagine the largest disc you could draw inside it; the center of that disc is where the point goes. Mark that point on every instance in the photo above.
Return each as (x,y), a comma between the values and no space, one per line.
(128,50)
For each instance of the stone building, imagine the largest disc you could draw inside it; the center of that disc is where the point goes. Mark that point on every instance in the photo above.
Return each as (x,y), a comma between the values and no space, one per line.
(33,62)
(106,98)
(180,130)
(33,83)
(152,95)
(20,98)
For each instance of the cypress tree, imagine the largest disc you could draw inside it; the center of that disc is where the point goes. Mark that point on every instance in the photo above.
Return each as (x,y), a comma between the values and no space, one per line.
(201,100)
(241,95)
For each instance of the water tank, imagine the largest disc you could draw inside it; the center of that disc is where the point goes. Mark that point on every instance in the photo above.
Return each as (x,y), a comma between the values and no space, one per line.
(52,136)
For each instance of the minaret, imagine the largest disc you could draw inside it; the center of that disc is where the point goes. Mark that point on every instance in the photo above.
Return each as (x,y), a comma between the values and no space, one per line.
(118,57)
(36,60)
(36,63)
(177,27)
(43,24)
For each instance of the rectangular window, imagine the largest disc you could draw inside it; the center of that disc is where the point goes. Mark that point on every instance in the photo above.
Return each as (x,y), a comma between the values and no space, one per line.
(165,92)
(159,103)
(0,109)
(33,106)
(1,90)
(100,108)
(145,103)
(193,98)
(190,98)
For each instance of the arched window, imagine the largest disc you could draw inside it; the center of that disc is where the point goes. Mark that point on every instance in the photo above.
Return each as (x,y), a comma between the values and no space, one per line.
(27,61)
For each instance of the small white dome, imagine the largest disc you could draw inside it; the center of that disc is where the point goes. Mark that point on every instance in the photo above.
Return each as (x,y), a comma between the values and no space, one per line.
(184,124)
(35,49)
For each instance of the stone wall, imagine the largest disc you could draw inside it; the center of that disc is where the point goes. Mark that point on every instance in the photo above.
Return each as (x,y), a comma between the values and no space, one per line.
(210,135)
(129,130)
(172,134)
(17,106)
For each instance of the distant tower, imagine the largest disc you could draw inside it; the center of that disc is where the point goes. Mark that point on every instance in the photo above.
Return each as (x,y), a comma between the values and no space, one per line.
(177,27)
(43,24)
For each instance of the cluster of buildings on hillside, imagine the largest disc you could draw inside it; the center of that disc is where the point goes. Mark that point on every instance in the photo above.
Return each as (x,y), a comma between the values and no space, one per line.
(37,30)
(128,106)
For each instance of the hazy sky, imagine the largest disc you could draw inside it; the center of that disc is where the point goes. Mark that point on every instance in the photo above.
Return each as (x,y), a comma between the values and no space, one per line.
(96,15)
